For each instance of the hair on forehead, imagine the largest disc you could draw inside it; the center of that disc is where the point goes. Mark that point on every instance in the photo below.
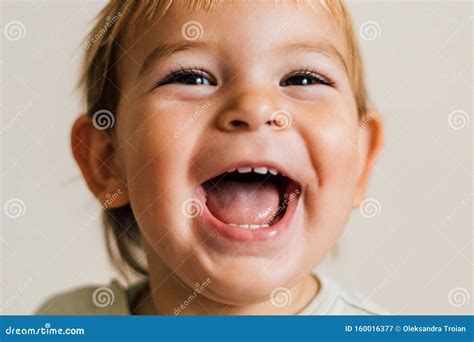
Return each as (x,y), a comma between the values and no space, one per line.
(120,18)
(137,11)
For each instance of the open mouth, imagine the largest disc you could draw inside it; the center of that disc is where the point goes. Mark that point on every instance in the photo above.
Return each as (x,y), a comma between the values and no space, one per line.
(250,197)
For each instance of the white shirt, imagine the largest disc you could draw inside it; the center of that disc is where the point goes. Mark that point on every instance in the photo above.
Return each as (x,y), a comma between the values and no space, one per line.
(114,299)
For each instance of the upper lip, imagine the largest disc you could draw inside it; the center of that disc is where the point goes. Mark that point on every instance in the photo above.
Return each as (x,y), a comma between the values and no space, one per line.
(258,163)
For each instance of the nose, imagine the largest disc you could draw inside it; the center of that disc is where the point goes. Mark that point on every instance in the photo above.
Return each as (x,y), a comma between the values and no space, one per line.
(248,111)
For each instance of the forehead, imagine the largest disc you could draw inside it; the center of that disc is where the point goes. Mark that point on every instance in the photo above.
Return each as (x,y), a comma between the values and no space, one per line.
(239,30)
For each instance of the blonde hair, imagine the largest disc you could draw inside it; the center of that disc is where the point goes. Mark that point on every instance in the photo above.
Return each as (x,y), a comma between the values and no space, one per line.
(117,21)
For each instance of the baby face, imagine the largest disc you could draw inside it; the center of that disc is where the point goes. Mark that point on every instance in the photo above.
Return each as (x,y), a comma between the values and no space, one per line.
(239,144)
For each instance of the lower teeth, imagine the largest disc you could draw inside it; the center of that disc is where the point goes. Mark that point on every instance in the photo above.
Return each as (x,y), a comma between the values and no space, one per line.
(249,226)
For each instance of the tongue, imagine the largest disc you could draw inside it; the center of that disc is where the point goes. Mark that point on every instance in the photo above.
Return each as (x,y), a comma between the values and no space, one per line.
(243,202)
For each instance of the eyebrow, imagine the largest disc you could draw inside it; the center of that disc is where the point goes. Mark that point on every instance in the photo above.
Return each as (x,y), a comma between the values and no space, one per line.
(165,50)
(324,48)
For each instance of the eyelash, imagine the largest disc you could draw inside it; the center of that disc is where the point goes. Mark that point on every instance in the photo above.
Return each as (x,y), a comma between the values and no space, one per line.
(199,71)
(311,73)
(190,71)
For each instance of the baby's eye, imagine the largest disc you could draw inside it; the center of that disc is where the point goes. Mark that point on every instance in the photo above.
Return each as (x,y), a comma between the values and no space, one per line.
(188,77)
(305,78)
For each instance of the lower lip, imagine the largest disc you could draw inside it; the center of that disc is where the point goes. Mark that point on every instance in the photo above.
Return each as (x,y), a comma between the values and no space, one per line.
(243,235)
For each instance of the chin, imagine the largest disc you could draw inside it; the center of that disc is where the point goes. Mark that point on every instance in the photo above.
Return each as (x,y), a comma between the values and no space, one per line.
(244,279)
(243,286)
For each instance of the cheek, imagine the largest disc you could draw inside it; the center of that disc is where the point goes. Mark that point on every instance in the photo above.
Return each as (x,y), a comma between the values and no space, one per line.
(157,137)
(336,153)
(155,159)
(330,131)
(161,122)
(330,135)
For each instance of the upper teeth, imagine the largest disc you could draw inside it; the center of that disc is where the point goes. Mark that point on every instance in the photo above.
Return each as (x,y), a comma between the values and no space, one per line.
(263,170)
(244,169)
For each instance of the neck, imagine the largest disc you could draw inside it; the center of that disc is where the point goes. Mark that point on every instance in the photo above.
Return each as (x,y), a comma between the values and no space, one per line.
(167,295)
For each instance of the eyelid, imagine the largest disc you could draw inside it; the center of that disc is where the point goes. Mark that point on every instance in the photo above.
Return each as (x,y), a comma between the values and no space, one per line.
(202,72)
(314,73)
(183,71)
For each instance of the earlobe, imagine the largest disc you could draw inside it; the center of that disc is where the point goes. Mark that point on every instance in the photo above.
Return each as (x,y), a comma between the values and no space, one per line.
(95,153)
(370,138)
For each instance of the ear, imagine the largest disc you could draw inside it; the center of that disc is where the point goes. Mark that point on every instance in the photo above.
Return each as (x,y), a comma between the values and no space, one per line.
(95,154)
(370,136)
